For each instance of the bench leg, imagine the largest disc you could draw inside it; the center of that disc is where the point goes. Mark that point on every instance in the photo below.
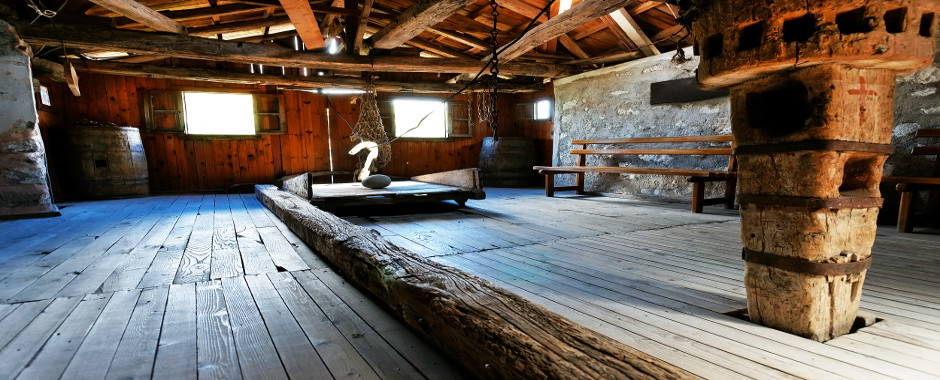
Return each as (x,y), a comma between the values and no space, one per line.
(580,183)
(549,185)
(698,196)
(905,212)
(730,189)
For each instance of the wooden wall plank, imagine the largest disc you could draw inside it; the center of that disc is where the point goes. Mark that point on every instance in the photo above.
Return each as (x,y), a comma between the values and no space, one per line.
(180,163)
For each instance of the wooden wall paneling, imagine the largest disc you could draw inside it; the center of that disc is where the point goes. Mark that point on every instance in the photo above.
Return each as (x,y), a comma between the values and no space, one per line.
(288,163)
(314,135)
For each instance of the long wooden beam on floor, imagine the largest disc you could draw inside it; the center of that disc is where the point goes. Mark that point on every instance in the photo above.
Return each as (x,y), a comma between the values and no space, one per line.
(491,331)
(98,38)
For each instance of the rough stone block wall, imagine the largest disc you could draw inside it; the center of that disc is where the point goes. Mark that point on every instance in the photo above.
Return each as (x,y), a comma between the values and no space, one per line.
(615,102)
(23,181)
(917,106)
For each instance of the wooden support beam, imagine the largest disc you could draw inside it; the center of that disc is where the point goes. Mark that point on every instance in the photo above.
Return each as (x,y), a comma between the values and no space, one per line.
(305,22)
(523,8)
(633,31)
(572,46)
(294,81)
(417,18)
(130,41)
(142,14)
(611,57)
(361,30)
(494,333)
(462,38)
(198,13)
(229,27)
(578,15)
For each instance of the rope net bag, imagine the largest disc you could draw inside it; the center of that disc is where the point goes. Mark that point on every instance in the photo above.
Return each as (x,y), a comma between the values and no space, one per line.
(370,128)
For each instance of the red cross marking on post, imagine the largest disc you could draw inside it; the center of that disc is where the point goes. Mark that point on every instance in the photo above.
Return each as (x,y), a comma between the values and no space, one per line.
(863,93)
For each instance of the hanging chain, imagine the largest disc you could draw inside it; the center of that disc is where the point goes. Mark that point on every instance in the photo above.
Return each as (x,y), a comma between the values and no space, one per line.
(494,70)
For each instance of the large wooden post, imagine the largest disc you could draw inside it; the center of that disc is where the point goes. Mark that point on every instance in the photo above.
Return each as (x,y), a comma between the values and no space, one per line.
(812,93)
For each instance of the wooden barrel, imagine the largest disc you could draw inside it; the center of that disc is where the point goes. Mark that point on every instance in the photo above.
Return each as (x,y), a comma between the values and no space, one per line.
(507,162)
(106,162)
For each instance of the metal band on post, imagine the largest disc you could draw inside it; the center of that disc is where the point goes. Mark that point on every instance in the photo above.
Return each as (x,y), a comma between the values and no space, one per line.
(811,203)
(805,267)
(836,145)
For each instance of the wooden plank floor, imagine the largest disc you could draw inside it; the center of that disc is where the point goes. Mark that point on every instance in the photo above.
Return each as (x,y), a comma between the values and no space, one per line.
(659,278)
(186,287)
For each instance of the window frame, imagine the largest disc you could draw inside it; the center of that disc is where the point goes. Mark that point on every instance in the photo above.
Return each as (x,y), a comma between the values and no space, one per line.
(387,109)
(261,108)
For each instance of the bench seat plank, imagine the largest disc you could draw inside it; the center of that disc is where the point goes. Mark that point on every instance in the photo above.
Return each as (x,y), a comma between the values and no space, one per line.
(913,180)
(665,139)
(657,151)
(635,170)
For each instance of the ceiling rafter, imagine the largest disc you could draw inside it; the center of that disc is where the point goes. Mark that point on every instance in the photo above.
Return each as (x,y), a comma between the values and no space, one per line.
(576,16)
(142,14)
(301,15)
(422,14)
(137,42)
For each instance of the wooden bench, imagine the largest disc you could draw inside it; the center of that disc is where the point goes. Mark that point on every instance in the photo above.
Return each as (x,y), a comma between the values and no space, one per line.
(908,185)
(698,177)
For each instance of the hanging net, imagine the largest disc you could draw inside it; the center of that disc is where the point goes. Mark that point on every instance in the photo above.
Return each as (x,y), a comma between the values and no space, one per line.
(370,128)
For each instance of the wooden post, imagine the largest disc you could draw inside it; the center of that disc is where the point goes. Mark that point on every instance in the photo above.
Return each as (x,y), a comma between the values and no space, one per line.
(811,140)
(905,211)
(579,177)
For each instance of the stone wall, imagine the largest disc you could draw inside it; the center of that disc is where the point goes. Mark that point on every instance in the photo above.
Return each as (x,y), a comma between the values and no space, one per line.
(917,106)
(615,102)
(23,181)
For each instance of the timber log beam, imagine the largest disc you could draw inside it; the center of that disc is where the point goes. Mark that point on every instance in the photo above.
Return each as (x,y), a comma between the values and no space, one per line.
(578,15)
(98,38)
(223,76)
(420,16)
(493,332)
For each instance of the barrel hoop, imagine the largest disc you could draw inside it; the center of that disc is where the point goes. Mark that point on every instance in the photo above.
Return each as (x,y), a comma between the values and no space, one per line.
(805,267)
(836,145)
(811,203)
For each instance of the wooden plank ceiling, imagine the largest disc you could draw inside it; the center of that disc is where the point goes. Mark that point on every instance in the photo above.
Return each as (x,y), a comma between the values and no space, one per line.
(359,39)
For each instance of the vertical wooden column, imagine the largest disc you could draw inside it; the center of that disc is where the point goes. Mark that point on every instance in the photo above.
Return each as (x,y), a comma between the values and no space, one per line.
(812,95)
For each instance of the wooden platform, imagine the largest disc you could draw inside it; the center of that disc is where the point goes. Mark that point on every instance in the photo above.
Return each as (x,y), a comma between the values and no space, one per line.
(354,194)
(176,287)
(657,278)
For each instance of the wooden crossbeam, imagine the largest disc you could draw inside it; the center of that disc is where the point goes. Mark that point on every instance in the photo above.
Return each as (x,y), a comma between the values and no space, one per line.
(576,16)
(198,13)
(229,27)
(633,32)
(417,18)
(294,81)
(361,30)
(572,46)
(137,42)
(305,22)
(142,14)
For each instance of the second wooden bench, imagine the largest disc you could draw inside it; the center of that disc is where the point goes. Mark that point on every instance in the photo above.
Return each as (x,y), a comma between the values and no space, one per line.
(698,177)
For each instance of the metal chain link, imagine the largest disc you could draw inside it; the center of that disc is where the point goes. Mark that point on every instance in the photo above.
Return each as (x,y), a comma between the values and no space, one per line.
(494,70)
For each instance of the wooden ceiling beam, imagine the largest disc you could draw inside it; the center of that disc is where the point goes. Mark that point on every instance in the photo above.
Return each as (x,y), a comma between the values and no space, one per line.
(572,46)
(462,38)
(589,30)
(295,81)
(420,16)
(239,26)
(142,14)
(629,26)
(578,15)
(305,22)
(643,7)
(523,8)
(137,42)
(198,13)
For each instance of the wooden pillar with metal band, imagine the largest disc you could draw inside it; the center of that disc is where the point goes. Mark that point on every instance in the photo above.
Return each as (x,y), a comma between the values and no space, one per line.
(812,93)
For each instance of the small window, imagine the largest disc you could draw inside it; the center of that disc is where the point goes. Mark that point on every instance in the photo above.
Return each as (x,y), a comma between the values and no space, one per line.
(210,113)
(410,112)
(543,110)
(213,113)
(44,98)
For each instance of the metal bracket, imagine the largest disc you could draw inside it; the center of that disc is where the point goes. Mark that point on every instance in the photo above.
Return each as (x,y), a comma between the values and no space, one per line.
(806,267)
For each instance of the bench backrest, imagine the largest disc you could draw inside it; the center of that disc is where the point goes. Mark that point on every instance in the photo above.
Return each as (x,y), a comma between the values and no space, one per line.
(928,150)
(584,143)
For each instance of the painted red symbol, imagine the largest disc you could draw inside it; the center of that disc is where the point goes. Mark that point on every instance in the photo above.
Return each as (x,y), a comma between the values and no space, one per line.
(863,93)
